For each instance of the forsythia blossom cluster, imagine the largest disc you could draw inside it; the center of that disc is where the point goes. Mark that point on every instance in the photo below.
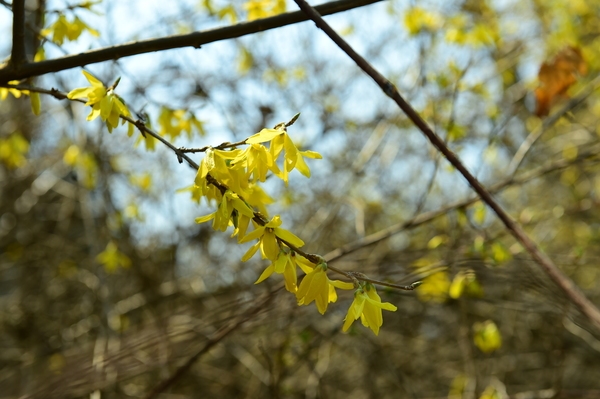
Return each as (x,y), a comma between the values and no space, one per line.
(367,305)
(240,171)
(105,103)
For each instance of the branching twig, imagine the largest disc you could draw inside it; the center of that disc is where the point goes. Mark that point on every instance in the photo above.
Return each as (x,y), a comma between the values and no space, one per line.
(563,281)
(196,40)
(548,122)
(221,146)
(215,339)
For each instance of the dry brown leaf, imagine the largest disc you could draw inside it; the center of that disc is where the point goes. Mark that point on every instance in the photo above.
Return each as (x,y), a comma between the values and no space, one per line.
(557,76)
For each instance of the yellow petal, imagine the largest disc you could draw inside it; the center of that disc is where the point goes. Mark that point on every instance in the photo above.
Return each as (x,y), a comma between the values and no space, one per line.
(289,237)
(243,223)
(275,222)
(291,279)
(105,107)
(354,311)
(35,103)
(269,246)
(280,263)
(95,112)
(250,253)
(265,274)
(332,294)
(291,153)
(311,154)
(263,135)
(113,119)
(373,317)
(79,93)
(319,291)
(304,264)
(302,167)
(206,218)
(276,147)
(303,289)
(92,79)
(253,235)
(388,306)
(242,207)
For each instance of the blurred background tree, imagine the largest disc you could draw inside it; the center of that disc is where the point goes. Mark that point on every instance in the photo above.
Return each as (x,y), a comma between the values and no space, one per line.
(108,289)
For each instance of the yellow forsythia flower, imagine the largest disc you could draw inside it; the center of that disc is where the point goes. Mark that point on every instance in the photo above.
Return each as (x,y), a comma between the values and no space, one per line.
(487,336)
(316,286)
(112,258)
(222,216)
(286,265)
(367,305)
(15,92)
(267,236)
(105,103)
(264,8)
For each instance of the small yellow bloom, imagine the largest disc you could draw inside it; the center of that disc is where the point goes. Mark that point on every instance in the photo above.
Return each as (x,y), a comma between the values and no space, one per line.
(264,8)
(316,286)
(105,103)
(257,161)
(487,336)
(95,93)
(283,265)
(230,202)
(15,92)
(367,305)
(293,157)
(112,258)
(267,236)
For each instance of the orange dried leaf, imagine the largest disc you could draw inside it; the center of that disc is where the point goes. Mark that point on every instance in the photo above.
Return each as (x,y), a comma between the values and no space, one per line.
(557,76)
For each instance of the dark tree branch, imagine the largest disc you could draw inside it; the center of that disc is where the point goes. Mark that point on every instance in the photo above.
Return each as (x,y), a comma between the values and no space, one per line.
(196,39)
(17,57)
(564,282)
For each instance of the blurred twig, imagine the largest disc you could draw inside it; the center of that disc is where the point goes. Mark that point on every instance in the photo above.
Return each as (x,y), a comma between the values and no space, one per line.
(564,282)
(215,339)
(547,123)
(552,166)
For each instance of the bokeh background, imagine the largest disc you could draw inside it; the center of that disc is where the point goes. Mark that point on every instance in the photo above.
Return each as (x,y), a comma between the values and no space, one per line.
(107,286)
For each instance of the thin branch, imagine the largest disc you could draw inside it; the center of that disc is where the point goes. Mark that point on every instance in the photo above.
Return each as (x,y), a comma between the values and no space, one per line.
(18,57)
(221,146)
(564,282)
(195,39)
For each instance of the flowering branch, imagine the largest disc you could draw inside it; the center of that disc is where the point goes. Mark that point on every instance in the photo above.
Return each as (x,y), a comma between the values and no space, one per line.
(278,245)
